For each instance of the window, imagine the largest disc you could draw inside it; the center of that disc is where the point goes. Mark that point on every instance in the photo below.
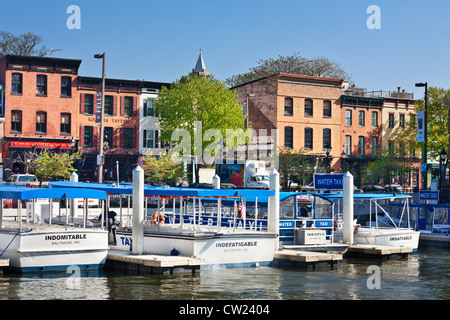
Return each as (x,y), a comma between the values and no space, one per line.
(89,104)
(374,119)
(374,146)
(16,121)
(128,106)
(108,136)
(41,122)
(348,117)
(362,119)
(361,146)
(66,86)
(288,106)
(151,139)
(308,108)
(128,138)
(65,123)
(288,137)
(88,137)
(41,85)
(149,107)
(391,148)
(391,120)
(326,138)
(308,138)
(402,121)
(109,106)
(16,83)
(327,109)
(348,145)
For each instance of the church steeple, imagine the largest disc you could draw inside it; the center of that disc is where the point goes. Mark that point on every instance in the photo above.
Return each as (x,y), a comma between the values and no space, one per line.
(200,66)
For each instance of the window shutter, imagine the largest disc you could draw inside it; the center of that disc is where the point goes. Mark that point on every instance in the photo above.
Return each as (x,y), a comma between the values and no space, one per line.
(133,138)
(135,106)
(114,106)
(95,138)
(156,139)
(144,141)
(116,138)
(122,134)
(82,103)
(81,136)
(122,106)
(145,107)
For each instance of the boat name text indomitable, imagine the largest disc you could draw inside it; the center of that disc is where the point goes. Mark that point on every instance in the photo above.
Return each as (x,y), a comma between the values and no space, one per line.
(66,237)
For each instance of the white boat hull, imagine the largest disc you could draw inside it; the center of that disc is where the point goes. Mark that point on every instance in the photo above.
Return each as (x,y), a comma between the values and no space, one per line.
(393,237)
(54,249)
(232,249)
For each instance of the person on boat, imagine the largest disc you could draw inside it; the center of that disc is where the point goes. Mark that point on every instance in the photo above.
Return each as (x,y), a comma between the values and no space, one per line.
(111,222)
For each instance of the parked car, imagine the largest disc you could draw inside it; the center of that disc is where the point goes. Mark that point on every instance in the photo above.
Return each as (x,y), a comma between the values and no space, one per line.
(23,180)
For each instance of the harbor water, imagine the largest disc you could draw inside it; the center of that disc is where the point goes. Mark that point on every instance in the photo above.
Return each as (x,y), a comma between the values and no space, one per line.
(424,275)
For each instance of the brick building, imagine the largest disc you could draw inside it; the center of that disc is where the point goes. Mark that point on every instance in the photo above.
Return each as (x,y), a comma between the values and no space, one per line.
(39,99)
(305,111)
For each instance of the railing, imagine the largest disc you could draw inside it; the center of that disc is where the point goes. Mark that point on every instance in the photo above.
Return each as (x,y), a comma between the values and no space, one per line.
(379,94)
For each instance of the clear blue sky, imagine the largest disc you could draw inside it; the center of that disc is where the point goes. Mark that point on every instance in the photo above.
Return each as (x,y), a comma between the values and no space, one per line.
(160,40)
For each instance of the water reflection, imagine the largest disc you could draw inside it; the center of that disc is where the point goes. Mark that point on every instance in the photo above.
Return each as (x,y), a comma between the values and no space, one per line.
(419,276)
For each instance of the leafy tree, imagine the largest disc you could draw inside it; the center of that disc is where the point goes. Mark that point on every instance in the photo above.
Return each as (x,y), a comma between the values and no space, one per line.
(23,45)
(294,64)
(387,166)
(162,170)
(297,166)
(51,165)
(203,109)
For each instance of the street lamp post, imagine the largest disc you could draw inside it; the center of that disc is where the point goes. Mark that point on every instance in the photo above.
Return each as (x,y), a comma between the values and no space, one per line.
(443,167)
(425,151)
(327,150)
(102,160)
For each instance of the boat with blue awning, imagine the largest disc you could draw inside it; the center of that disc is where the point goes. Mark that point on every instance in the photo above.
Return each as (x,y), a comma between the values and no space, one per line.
(43,246)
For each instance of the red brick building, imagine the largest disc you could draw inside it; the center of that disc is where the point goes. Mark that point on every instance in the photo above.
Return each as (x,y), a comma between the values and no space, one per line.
(40,94)
(121,127)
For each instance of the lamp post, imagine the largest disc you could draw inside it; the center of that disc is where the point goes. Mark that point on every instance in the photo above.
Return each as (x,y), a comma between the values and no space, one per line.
(102,160)
(327,150)
(343,156)
(425,151)
(443,167)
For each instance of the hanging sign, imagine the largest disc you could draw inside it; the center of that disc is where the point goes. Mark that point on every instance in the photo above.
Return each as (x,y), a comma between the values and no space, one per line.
(420,126)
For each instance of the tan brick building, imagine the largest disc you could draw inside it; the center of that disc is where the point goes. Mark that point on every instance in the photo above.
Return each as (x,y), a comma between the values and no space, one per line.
(305,111)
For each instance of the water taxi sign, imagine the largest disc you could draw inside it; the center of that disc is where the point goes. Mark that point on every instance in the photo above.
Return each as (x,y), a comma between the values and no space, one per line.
(429,195)
(328,181)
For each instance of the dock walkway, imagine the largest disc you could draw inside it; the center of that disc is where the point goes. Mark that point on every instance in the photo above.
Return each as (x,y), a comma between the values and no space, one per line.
(368,250)
(151,263)
(298,258)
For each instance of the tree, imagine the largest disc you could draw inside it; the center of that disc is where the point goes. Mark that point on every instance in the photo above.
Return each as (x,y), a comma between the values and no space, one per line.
(294,64)
(23,45)
(297,166)
(51,165)
(198,114)
(162,170)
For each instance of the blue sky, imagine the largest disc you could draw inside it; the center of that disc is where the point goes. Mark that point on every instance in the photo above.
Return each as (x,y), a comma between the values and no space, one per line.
(160,40)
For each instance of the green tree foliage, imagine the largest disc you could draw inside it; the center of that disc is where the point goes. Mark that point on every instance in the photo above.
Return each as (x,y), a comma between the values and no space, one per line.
(25,44)
(294,64)
(53,166)
(196,99)
(162,170)
(297,166)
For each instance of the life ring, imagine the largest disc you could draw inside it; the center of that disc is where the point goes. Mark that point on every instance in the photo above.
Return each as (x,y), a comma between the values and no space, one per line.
(335,225)
(161,218)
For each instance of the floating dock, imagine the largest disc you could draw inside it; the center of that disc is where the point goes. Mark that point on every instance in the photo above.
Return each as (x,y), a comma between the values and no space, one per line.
(151,263)
(369,250)
(298,258)
(3,264)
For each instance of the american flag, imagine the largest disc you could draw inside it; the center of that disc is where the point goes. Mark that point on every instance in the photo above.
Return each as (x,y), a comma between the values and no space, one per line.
(241,208)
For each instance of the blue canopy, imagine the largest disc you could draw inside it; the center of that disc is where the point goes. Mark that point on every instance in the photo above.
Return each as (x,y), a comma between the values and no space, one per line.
(367,196)
(164,191)
(50,193)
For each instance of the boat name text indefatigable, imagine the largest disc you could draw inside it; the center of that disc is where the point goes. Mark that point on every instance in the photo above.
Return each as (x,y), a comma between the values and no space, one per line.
(237,244)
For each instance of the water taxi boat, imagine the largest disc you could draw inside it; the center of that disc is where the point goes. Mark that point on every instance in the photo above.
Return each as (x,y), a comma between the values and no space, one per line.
(37,246)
